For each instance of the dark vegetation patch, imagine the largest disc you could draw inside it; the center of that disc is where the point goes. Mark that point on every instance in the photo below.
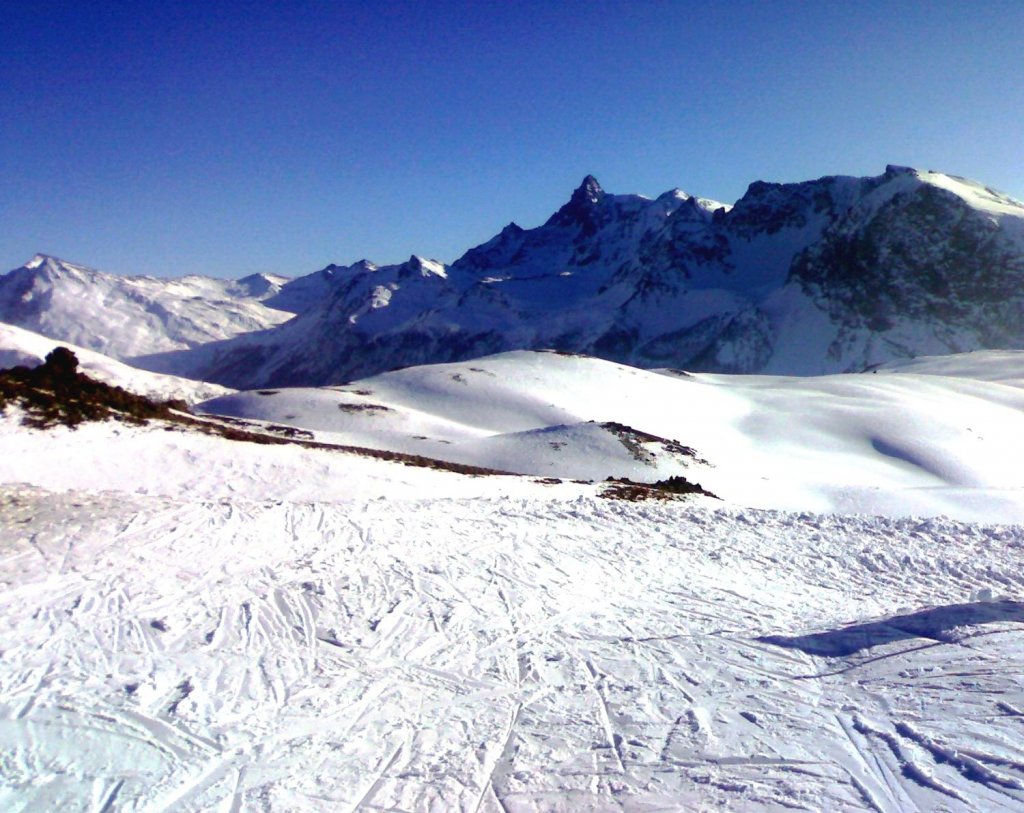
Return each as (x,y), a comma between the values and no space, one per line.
(548,481)
(289,432)
(255,433)
(364,408)
(55,393)
(232,429)
(634,440)
(568,353)
(622,488)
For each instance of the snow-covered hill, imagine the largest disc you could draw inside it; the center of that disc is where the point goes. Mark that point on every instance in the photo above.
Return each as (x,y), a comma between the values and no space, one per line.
(123,317)
(831,275)
(1001,366)
(23,347)
(899,445)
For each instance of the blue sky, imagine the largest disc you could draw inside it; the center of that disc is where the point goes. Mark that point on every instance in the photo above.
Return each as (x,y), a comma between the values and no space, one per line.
(228,138)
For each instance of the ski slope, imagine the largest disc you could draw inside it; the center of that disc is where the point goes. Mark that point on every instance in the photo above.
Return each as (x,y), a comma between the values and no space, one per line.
(519,654)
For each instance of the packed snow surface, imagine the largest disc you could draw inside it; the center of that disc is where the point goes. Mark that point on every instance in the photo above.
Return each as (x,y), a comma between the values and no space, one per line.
(193,623)
(538,653)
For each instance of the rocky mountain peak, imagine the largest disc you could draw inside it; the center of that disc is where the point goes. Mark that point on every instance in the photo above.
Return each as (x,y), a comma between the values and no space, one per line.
(46,263)
(581,210)
(590,190)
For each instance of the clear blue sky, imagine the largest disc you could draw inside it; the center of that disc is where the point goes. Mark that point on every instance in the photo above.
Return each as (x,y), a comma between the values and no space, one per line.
(227,138)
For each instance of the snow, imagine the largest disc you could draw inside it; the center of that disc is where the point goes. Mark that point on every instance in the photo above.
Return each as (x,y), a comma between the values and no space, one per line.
(520,655)
(976,194)
(888,444)
(193,623)
(431,267)
(126,317)
(24,347)
(999,366)
(154,461)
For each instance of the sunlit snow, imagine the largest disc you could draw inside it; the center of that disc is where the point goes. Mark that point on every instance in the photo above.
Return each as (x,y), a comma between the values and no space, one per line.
(194,623)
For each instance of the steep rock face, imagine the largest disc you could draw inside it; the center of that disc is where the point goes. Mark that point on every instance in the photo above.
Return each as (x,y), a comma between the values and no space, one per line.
(934,265)
(125,317)
(924,255)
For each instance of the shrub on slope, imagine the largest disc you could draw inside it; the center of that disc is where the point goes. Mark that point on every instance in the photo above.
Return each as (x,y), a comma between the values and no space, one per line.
(56,393)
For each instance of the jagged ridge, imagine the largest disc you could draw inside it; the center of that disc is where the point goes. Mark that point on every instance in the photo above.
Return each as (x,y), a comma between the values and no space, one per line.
(822,276)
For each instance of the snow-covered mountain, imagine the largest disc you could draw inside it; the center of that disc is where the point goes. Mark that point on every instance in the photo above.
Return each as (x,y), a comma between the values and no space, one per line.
(124,317)
(832,275)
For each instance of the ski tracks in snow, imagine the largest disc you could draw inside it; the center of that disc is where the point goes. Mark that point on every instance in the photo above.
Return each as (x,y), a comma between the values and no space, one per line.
(502,656)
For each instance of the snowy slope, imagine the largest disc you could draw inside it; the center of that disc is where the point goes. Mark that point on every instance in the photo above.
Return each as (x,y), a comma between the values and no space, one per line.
(124,317)
(193,623)
(513,655)
(18,346)
(891,444)
(1002,366)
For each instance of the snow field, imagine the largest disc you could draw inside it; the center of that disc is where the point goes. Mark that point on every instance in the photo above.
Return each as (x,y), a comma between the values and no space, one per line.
(518,655)
(193,623)
(887,444)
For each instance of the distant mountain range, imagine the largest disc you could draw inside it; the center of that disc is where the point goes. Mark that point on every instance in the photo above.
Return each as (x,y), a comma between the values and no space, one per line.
(831,275)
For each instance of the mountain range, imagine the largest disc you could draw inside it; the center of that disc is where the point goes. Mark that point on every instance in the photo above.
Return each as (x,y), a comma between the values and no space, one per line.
(832,275)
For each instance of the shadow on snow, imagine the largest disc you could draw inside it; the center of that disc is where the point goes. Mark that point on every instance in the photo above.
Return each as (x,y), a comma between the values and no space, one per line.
(934,623)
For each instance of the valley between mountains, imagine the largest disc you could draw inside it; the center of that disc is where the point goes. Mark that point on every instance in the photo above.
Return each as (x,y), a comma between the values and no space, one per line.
(661,505)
